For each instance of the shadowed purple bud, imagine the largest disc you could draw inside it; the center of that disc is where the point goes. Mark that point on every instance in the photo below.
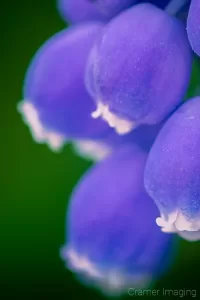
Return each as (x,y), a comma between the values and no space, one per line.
(193,26)
(96,150)
(57,106)
(172,175)
(83,10)
(76,11)
(112,238)
(139,75)
(112,8)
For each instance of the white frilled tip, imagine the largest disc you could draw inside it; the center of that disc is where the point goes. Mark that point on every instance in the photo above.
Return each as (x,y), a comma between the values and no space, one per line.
(121,126)
(111,282)
(176,222)
(92,150)
(39,133)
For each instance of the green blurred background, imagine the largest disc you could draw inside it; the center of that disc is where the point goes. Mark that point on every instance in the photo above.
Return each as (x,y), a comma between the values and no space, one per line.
(36,183)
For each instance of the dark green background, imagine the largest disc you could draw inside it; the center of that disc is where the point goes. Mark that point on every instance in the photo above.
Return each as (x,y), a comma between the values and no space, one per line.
(36,183)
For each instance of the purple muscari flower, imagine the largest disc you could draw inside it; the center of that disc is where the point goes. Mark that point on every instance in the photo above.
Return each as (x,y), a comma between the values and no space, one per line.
(76,11)
(112,239)
(172,175)
(57,106)
(98,149)
(139,75)
(193,26)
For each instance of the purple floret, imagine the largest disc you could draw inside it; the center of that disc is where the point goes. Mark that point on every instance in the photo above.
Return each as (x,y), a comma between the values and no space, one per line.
(112,238)
(141,74)
(172,176)
(193,26)
(56,105)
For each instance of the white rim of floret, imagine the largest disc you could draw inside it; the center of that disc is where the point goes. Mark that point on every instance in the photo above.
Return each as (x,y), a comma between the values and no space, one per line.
(41,135)
(176,222)
(120,125)
(111,282)
(92,150)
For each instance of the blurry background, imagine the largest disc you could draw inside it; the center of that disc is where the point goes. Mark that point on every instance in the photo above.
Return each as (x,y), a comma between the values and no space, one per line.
(36,183)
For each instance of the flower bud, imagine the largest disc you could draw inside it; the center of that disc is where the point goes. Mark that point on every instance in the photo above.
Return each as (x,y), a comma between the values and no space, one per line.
(193,26)
(112,240)
(139,70)
(172,175)
(56,105)
(76,11)
(112,8)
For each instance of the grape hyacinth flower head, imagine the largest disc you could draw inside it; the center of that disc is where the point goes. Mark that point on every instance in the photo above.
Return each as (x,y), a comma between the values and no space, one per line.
(98,149)
(56,104)
(193,26)
(76,11)
(112,238)
(172,175)
(139,70)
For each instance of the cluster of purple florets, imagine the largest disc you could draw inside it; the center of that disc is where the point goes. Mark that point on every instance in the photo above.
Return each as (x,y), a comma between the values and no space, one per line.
(113,84)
